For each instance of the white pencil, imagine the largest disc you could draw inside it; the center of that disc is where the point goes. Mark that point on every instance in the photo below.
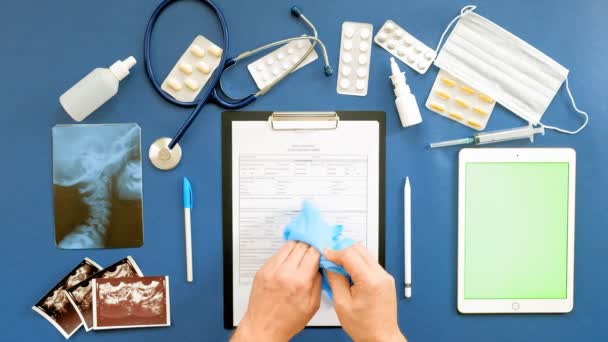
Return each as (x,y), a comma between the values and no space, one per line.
(407,237)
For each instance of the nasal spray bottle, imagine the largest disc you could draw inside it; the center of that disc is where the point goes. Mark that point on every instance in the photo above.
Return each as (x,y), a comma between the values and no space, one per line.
(95,89)
(405,101)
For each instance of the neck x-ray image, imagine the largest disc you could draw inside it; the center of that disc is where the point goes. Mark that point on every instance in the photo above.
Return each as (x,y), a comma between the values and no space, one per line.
(97,186)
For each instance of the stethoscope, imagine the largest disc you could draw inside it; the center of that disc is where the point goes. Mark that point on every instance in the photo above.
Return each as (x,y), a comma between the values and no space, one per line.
(165,153)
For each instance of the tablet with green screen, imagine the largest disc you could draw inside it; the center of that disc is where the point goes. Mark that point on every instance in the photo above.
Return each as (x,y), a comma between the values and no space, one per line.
(516,230)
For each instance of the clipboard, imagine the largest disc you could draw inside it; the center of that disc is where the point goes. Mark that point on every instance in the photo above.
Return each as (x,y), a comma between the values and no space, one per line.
(290,121)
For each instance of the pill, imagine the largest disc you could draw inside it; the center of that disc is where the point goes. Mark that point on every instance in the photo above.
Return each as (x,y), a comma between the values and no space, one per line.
(344,83)
(347,45)
(264,78)
(448,82)
(363,46)
(190,83)
(300,44)
(186,68)
(443,95)
(455,115)
(362,59)
(466,89)
(436,107)
(417,49)
(290,51)
(270,61)
(285,65)
(480,111)
(364,33)
(259,67)
(361,72)
(280,55)
(215,51)
(392,44)
(474,123)
(429,54)
(422,65)
(401,51)
(485,98)
(389,27)
(197,50)
(348,32)
(381,37)
(295,59)
(360,85)
(408,41)
(347,58)
(461,103)
(203,67)
(346,70)
(275,71)
(410,59)
(174,84)
(398,34)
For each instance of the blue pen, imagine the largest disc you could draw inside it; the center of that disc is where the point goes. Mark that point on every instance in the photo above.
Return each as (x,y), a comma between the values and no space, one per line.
(187,207)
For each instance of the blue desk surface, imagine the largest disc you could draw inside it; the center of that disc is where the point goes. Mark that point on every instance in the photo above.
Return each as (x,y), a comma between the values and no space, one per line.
(49,45)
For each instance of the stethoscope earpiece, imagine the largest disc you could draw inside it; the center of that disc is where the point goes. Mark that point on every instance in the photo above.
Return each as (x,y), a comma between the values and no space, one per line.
(296,12)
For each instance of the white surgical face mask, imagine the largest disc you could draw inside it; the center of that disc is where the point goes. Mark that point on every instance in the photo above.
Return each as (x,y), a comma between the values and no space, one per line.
(501,65)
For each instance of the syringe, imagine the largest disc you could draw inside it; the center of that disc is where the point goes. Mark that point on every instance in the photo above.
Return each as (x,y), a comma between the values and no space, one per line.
(526,132)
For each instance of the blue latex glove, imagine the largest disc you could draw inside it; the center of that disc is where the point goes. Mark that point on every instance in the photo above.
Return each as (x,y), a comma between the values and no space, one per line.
(310,228)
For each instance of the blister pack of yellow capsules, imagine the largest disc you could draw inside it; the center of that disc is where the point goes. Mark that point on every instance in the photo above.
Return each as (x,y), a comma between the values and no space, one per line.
(460,102)
(193,69)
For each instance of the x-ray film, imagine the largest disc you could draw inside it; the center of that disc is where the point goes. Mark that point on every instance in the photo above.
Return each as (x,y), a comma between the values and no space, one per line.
(97,185)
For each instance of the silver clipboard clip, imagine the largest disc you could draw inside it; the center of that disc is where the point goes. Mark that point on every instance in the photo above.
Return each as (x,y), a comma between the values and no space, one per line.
(290,121)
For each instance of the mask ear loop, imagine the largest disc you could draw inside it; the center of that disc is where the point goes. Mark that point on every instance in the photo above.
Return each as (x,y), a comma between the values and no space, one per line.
(463,12)
(583,113)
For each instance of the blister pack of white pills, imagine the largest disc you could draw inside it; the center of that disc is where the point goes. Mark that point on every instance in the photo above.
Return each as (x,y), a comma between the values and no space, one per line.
(268,68)
(355,53)
(192,70)
(405,47)
(458,101)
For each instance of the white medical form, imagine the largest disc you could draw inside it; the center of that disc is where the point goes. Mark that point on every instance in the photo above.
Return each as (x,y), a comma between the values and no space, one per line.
(273,171)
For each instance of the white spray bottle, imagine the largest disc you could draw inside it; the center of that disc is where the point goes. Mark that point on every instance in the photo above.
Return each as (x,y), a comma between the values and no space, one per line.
(95,89)
(405,100)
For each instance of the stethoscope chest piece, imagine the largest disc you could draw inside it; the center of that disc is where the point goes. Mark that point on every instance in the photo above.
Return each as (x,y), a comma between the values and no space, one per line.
(162,157)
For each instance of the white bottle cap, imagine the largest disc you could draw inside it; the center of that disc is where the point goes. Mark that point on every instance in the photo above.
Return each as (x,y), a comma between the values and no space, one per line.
(120,69)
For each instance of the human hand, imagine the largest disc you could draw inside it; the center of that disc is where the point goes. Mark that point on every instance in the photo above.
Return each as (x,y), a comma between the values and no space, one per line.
(286,294)
(368,309)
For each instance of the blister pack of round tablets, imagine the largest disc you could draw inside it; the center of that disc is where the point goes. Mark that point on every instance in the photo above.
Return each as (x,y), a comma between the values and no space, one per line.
(268,68)
(192,70)
(355,53)
(405,47)
(460,102)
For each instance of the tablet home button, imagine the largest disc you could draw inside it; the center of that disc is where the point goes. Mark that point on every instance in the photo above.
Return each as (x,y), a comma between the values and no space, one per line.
(515,306)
